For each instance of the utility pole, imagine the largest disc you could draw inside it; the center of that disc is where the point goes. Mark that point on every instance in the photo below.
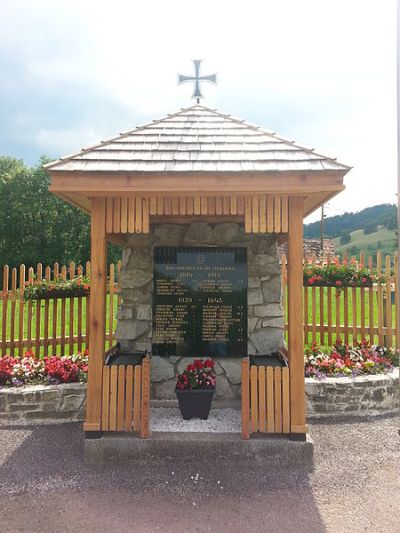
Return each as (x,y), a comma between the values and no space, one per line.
(322,231)
(398,169)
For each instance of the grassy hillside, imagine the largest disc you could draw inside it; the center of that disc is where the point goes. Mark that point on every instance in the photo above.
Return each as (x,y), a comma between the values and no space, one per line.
(383,240)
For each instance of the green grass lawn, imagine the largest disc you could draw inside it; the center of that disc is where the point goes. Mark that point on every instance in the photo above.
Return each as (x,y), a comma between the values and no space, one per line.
(383,240)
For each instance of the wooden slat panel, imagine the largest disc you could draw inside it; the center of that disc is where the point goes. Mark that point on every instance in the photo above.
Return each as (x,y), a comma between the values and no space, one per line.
(39,276)
(321,316)
(121,398)
(197,205)
(109,214)
(285,215)
(204,205)
(124,214)
(247,215)
(270,214)
(240,209)
(362,299)
(255,214)
(129,384)
(55,315)
(234,206)
(305,314)
(30,278)
(131,214)
(117,215)
(13,310)
(111,306)
(263,214)
(277,214)
(145,400)
(278,399)
(354,312)
(226,205)
(145,216)
(254,398)
(21,325)
(182,205)
(63,313)
(138,213)
(71,271)
(218,205)
(270,400)
(261,400)
(211,205)
(337,306)
(285,401)
(167,205)
(47,275)
(175,205)
(153,205)
(371,306)
(137,393)
(313,313)
(160,205)
(245,398)
(105,403)
(329,292)
(113,397)
(396,297)
(388,302)
(190,205)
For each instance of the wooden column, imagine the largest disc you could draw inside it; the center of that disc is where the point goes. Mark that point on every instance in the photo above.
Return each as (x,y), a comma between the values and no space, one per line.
(295,318)
(98,278)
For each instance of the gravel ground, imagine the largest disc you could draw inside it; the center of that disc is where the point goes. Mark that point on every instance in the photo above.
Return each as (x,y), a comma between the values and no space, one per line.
(219,421)
(355,487)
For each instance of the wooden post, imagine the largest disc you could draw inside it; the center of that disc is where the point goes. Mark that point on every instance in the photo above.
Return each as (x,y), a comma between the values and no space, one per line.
(245,398)
(295,315)
(145,413)
(97,314)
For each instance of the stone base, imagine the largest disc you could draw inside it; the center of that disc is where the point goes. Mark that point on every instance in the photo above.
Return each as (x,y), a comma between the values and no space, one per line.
(218,447)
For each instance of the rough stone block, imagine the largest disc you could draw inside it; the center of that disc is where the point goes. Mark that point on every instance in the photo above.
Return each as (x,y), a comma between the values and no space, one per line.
(233,369)
(169,234)
(143,312)
(268,340)
(225,233)
(161,369)
(254,297)
(198,233)
(165,390)
(131,329)
(272,290)
(254,282)
(277,322)
(133,277)
(268,310)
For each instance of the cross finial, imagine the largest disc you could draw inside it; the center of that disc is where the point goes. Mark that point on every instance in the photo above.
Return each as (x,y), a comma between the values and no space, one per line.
(212,78)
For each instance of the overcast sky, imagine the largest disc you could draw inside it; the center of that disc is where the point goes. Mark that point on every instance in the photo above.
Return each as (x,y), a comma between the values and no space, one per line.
(321,72)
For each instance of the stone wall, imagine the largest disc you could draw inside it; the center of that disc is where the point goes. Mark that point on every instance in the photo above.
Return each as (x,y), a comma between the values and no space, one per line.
(347,396)
(332,397)
(42,404)
(265,311)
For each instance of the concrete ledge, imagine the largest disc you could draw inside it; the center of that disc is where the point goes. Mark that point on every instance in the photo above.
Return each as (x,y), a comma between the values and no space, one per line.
(214,447)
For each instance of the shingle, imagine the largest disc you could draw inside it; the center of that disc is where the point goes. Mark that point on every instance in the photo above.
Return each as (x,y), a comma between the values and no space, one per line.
(198,139)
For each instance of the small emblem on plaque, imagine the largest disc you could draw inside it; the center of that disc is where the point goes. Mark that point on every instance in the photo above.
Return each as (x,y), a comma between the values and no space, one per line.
(200,259)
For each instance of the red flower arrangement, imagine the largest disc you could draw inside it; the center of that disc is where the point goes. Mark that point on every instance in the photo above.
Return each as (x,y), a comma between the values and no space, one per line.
(340,275)
(197,375)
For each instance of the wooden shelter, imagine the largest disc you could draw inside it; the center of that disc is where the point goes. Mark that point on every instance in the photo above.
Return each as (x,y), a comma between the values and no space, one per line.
(191,165)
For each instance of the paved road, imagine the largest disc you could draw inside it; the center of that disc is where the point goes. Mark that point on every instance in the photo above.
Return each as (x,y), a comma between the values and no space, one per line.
(46,486)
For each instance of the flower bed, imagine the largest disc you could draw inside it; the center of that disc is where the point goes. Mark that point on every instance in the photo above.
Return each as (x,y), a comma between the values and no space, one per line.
(340,275)
(43,289)
(349,361)
(29,370)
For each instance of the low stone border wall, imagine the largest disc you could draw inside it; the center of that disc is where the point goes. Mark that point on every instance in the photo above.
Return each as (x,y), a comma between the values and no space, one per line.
(46,404)
(346,396)
(328,398)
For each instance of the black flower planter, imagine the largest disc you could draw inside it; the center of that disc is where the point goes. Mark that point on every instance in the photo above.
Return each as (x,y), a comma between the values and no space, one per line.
(195,403)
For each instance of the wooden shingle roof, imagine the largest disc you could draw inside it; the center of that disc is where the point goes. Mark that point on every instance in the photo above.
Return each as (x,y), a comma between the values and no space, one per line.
(196,139)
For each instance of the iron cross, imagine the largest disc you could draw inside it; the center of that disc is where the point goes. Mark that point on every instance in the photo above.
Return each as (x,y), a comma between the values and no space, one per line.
(212,78)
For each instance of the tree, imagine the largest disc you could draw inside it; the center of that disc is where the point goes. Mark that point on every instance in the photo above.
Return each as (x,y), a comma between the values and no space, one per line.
(35,225)
(345,238)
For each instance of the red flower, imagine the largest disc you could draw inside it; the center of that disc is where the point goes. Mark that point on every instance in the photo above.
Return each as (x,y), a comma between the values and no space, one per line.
(338,283)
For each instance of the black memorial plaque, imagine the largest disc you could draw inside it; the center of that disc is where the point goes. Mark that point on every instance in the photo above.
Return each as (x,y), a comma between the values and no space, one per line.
(200,302)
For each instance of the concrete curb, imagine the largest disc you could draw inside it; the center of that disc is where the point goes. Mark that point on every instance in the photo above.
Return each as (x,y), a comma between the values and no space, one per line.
(214,447)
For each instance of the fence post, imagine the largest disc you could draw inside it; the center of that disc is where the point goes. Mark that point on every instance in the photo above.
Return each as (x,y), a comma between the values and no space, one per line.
(145,414)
